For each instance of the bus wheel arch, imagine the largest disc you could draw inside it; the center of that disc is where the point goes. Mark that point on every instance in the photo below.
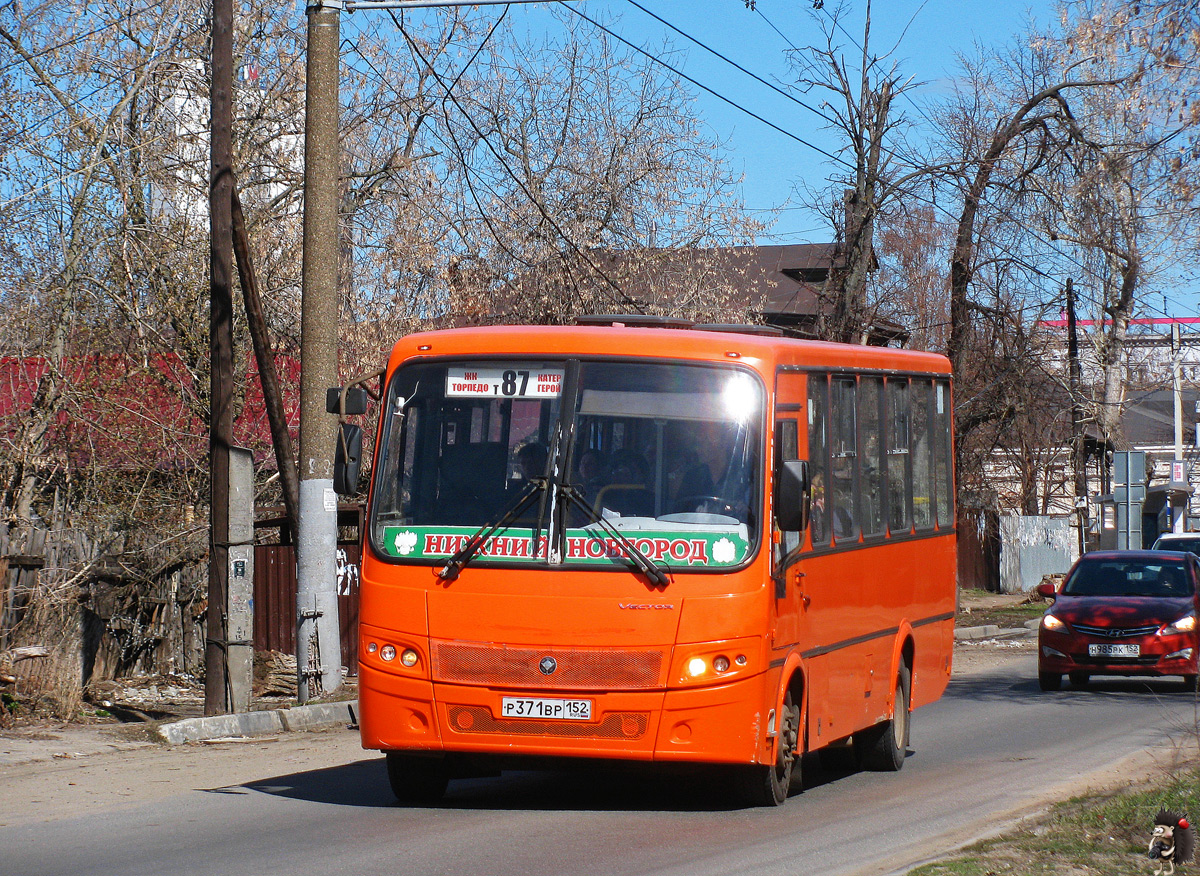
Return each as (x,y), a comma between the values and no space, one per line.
(793,683)
(884,746)
(771,783)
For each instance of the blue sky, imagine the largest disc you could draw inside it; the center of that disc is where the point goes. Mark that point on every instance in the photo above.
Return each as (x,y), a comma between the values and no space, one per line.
(924,38)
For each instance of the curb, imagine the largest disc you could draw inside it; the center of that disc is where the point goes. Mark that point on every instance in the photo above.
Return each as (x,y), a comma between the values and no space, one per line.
(297,718)
(990,631)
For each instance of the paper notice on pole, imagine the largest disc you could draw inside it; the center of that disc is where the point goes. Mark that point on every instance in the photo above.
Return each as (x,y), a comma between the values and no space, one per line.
(329,500)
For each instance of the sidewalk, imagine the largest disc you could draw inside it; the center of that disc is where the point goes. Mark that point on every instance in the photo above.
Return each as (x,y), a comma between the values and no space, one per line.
(47,743)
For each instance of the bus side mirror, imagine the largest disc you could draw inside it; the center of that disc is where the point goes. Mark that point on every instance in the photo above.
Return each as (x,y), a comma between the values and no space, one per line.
(356,401)
(792,496)
(347,459)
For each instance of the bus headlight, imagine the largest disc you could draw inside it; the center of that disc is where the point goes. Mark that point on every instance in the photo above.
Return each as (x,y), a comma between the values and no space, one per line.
(394,656)
(713,662)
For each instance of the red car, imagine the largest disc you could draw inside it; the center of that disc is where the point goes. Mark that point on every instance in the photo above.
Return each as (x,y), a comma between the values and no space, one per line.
(1122,613)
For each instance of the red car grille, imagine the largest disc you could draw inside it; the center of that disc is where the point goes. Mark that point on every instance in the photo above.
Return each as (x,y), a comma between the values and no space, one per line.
(1085,660)
(1115,632)
(616,725)
(574,668)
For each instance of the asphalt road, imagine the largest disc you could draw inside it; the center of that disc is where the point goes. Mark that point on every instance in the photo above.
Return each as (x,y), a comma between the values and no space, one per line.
(310,804)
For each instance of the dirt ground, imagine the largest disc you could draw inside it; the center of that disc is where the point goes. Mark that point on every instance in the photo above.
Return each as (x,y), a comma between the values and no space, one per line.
(979,655)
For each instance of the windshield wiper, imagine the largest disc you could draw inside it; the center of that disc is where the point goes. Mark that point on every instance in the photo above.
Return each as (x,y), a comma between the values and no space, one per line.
(636,558)
(475,543)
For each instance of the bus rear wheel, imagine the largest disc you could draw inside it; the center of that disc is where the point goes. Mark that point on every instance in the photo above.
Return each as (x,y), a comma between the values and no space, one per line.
(770,784)
(883,747)
(416,779)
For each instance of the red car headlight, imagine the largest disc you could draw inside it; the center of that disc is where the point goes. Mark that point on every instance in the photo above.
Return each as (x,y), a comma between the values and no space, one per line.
(1054,624)
(1185,624)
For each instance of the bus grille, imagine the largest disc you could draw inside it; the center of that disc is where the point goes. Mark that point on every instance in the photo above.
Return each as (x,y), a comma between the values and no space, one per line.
(575,668)
(616,725)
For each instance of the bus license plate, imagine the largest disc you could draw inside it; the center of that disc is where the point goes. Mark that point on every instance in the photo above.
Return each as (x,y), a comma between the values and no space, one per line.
(546,709)
(1114,650)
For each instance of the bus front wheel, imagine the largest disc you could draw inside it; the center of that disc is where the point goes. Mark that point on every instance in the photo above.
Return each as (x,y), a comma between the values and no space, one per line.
(416,779)
(883,747)
(770,784)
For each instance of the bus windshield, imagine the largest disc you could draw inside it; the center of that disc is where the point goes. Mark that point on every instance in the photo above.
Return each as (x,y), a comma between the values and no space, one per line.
(669,454)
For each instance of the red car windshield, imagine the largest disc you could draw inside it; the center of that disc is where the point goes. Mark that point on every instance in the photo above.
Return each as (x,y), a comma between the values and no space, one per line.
(1128,578)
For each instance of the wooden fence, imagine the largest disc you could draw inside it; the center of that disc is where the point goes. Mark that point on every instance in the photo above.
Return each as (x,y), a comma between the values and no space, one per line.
(117,623)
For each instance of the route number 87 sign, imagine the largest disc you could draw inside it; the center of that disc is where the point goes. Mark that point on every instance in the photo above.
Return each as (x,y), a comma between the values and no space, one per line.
(514,382)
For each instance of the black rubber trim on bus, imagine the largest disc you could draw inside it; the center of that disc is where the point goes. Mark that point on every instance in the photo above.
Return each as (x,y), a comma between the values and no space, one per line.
(774,664)
(874,541)
(847,643)
(867,637)
(836,369)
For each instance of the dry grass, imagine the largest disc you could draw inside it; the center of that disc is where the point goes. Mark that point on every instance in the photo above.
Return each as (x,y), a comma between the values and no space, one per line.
(1096,835)
(46,689)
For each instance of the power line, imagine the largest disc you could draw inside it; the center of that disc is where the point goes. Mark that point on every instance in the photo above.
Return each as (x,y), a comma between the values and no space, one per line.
(894,154)
(620,294)
(735,64)
(704,87)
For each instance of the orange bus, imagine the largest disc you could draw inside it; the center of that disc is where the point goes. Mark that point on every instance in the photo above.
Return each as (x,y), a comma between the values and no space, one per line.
(688,544)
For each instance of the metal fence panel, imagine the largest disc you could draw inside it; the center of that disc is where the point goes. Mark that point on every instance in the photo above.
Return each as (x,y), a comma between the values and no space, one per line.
(1031,547)
(978,549)
(275,599)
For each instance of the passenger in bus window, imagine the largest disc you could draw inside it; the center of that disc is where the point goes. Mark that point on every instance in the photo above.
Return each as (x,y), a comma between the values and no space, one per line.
(819,516)
(592,471)
(531,462)
(816,521)
(717,482)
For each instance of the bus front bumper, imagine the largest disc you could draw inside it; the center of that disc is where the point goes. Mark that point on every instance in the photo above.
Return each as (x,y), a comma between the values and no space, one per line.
(720,724)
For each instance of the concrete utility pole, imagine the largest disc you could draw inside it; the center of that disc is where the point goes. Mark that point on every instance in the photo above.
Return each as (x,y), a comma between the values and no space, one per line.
(318,642)
(220,326)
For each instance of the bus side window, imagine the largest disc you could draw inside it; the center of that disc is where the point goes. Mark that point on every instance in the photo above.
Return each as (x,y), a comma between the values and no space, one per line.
(922,454)
(943,447)
(843,483)
(818,456)
(899,475)
(871,470)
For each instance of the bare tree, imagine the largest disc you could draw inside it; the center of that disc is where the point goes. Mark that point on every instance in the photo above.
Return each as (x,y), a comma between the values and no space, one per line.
(1127,200)
(873,175)
(581,151)
(912,285)
(579,170)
